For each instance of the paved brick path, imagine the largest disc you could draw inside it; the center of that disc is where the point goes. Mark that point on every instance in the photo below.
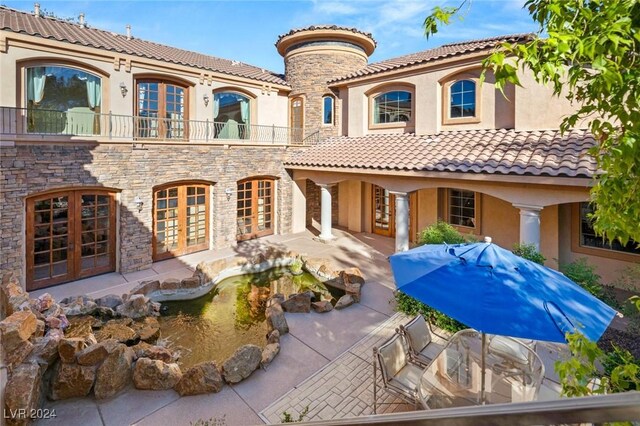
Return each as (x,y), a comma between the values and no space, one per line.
(344,387)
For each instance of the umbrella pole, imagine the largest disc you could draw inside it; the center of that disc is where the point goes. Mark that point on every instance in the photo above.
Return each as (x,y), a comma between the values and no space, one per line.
(483,368)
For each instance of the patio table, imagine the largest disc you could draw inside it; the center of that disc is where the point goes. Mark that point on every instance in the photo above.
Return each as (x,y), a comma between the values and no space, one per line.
(454,376)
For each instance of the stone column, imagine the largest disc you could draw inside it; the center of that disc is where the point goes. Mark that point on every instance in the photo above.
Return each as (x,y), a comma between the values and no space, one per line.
(402,221)
(325,212)
(529,224)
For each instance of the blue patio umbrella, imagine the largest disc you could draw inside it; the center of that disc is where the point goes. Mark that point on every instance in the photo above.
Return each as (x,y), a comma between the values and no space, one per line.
(497,292)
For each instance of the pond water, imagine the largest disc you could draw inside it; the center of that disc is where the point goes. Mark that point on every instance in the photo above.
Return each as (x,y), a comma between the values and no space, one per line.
(213,326)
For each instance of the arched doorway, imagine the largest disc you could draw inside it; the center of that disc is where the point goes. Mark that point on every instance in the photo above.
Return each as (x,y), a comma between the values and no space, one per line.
(180,214)
(70,234)
(255,208)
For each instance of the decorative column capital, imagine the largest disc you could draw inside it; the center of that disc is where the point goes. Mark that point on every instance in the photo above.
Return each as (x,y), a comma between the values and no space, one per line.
(326,185)
(528,209)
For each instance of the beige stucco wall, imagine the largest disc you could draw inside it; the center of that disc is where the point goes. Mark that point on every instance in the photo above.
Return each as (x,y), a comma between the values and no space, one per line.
(608,269)
(531,107)
(270,109)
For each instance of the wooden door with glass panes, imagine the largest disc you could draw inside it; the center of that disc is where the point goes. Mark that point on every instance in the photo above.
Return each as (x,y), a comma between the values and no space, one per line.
(255,208)
(383,213)
(70,235)
(180,220)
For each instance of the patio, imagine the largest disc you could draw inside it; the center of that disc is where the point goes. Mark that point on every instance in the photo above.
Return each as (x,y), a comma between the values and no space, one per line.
(325,361)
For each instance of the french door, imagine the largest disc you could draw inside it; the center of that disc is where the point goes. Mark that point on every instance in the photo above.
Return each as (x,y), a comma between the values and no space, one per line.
(383,213)
(70,235)
(161,110)
(180,220)
(255,208)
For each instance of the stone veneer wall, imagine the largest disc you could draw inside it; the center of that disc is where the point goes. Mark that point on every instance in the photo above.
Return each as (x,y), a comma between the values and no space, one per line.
(308,73)
(28,169)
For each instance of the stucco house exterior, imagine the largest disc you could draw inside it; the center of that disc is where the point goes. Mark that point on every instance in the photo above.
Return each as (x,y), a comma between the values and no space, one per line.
(117,152)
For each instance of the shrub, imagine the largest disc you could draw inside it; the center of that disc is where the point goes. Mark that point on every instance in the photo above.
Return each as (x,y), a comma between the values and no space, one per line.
(439,233)
(529,252)
(410,306)
(583,274)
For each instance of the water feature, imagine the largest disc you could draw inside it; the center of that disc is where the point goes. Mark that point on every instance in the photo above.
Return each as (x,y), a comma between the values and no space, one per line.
(232,314)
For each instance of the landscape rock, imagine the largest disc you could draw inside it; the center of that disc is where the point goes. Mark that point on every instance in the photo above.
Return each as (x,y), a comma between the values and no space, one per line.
(15,332)
(70,381)
(12,296)
(44,302)
(95,354)
(275,319)
(115,372)
(277,298)
(148,329)
(45,348)
(138,306)
(60,322)
(153,374)
(145,350)
(322,306)
(191,282)
(353,289)
(344,301)
(40,326)
(269,353)
(80,305)
(170,284)
(242,363)
(146,287)
(22,392)
(118,331)
(199,379)
(273,337)
(109,301)
(297,303)
(68,347)
(353,275)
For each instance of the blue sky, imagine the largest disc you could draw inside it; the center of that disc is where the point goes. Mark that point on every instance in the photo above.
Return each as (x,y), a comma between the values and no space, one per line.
(247,30)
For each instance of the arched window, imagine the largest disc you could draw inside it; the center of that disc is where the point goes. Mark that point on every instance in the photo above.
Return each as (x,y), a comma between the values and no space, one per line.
(392,107)
(462,102)
(327,109)
(161,108)
(64,100)
(232,115)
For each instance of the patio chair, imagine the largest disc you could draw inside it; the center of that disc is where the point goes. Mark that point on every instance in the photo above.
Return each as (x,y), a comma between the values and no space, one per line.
(417,336)
(399,376)
(518,351)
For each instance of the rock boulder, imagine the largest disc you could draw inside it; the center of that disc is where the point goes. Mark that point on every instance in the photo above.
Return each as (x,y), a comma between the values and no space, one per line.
(242,363)
(71,380)
(269,353)
(15,332)
(322,306)
(275,319)
(119,331)
(69,347)
(22,392)
(199,379)
(153,374)
(298,303)
(115,372)
(344,301)
(109,301)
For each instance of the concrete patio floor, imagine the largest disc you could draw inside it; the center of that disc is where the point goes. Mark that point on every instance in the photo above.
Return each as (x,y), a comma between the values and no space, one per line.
(313,342)
(324,362)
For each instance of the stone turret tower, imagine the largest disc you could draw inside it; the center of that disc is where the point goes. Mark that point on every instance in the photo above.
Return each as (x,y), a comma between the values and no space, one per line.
(313,56)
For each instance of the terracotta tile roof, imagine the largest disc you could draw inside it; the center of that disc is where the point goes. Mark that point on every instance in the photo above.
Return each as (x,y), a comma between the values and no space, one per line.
(326,27)
(444,51)
(56,29)
(504,152)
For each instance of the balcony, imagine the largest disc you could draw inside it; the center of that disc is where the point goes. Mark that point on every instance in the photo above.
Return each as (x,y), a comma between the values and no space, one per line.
(84,124)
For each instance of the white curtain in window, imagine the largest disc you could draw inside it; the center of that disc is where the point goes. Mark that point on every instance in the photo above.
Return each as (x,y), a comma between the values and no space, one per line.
(376,110)
(94,92)
(244,111)
(216,106)
(36,79)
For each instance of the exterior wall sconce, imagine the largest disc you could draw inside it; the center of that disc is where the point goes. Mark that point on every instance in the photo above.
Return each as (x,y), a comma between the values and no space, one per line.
(123,89)
(205,98)
(138,202)
(228,192)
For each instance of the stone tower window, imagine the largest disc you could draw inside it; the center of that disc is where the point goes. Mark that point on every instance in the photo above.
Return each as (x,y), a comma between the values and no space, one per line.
(327,109)
(297,113)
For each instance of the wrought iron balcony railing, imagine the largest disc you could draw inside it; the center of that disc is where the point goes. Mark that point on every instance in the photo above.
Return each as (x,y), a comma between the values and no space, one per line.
(82,122)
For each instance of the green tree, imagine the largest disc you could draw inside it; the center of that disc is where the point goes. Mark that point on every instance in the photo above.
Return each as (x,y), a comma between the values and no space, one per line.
(587,50)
